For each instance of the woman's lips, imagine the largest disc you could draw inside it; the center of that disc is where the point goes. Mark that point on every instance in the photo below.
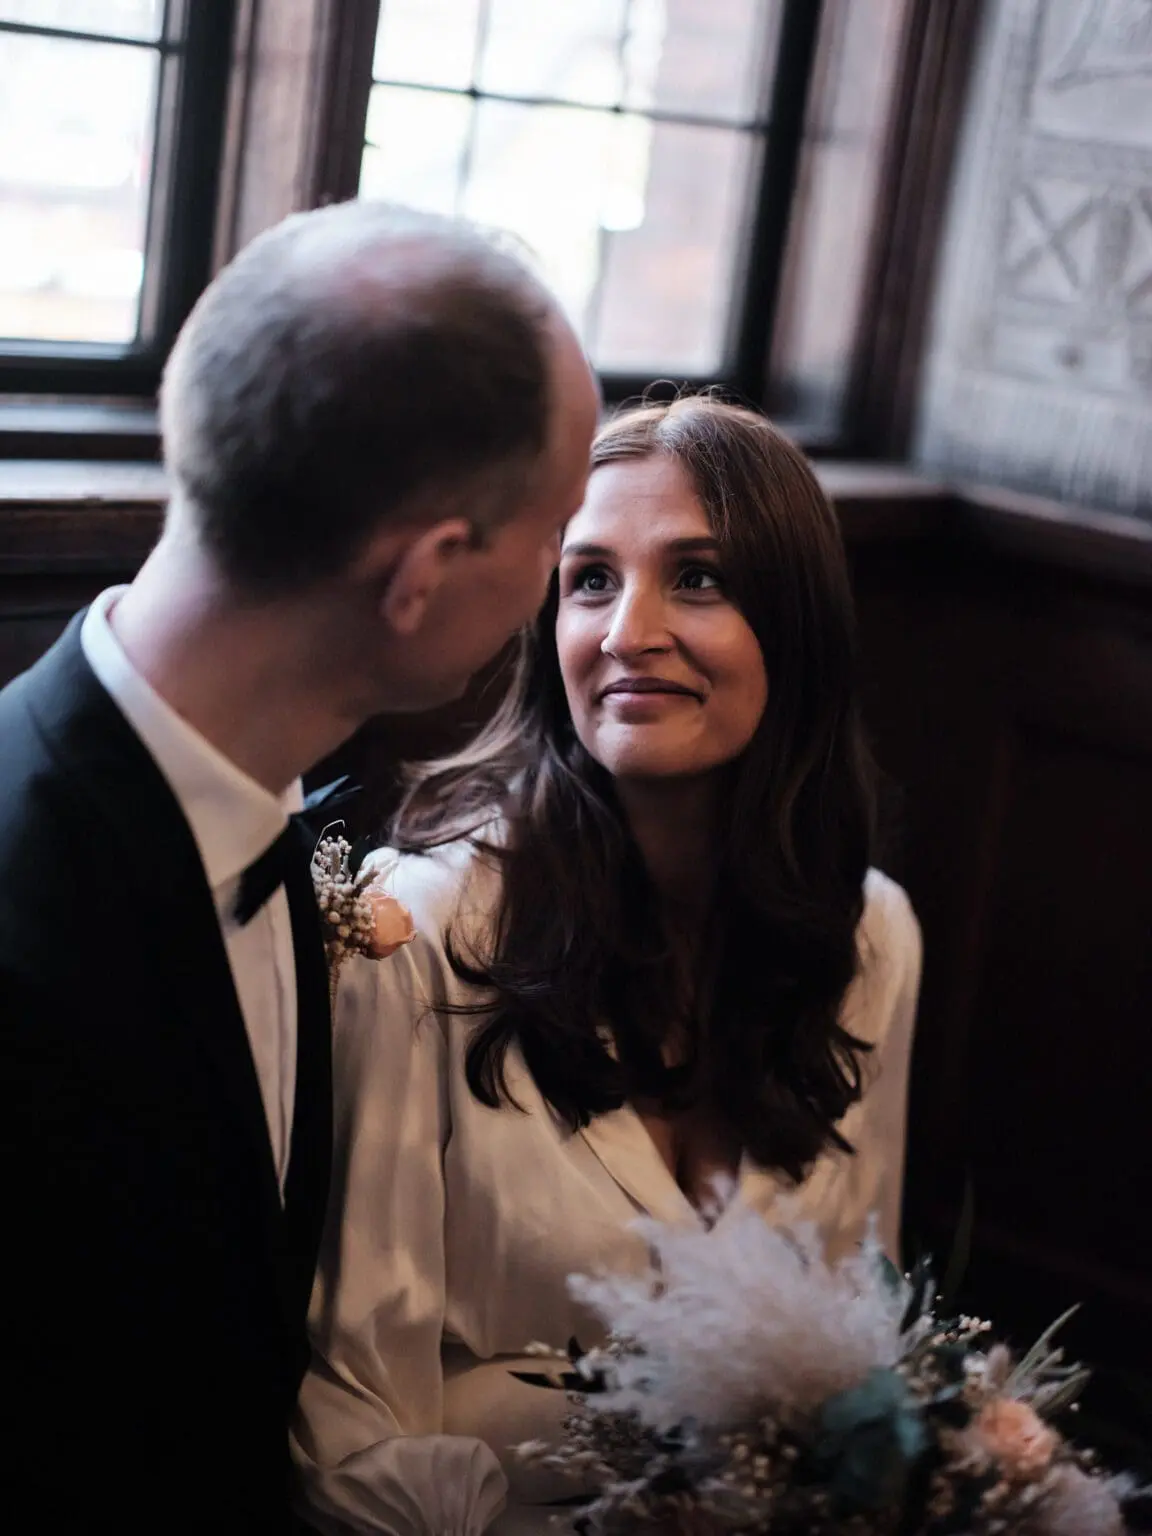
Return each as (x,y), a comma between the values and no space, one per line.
(646,699)
(639,687)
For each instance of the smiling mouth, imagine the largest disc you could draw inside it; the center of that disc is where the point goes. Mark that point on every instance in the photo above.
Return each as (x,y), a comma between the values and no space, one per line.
(630,687)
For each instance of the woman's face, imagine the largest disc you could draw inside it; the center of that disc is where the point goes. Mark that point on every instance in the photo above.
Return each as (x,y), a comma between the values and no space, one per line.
(663,674)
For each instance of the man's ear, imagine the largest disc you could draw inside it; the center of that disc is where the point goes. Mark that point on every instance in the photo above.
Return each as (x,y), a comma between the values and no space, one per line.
(411,573)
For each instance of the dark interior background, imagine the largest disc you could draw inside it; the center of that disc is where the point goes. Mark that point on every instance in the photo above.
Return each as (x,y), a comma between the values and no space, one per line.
(1006,639)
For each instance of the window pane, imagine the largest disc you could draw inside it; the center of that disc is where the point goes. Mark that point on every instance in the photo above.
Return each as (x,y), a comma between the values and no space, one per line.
(416,146)
(705,57)
(427,42)
(857,55)
(833,217)
(572,50)
(636,225)
(117,18)
(542,173)
(76,123)
(670,282)
(816,331)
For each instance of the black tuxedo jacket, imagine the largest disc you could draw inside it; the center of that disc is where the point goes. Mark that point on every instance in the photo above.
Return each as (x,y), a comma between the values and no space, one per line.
(156,1290)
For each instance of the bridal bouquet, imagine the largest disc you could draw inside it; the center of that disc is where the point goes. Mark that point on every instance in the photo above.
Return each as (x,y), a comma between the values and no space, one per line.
(749,1385)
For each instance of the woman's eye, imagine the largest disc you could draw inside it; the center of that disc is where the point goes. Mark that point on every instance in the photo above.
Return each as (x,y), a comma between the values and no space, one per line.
(700,578)
(592,579)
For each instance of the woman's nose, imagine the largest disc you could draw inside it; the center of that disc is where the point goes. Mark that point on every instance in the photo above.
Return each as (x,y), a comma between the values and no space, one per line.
(639,625)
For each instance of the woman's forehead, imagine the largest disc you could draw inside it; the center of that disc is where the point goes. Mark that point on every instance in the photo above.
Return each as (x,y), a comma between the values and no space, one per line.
(649,501)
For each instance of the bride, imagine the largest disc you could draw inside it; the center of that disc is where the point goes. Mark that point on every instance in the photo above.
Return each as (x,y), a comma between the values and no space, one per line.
(651,951)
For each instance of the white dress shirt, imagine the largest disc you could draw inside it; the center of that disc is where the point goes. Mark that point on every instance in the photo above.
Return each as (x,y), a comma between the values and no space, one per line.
(453,1227)
(233,820)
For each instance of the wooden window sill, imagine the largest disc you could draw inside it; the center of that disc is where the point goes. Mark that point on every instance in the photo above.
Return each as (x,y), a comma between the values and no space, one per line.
(69,517)
(80,516)
(78,430)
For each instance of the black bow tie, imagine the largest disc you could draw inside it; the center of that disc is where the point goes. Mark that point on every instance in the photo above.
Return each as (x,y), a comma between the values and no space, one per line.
(291,849)
(267,873)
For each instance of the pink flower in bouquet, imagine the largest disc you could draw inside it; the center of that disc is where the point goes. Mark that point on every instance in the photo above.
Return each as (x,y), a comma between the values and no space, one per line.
(391,925)
(1016,1436)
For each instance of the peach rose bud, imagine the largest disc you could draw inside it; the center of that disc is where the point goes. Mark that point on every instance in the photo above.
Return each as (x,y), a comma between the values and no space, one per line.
(1016,1436)
(392,925)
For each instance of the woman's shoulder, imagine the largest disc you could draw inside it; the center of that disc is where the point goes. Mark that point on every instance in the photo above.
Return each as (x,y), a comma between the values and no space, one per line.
(446,888)
(889,924)
(888,983)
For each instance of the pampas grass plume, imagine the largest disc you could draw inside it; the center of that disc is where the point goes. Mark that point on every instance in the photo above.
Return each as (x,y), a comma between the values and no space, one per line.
(740,1320)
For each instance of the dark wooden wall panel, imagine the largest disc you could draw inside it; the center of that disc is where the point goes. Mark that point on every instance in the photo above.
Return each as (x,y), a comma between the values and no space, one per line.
(34,610)
(1060,1039)
(1010,700)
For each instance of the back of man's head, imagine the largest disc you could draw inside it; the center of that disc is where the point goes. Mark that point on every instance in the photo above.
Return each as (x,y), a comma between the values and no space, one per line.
(354,364)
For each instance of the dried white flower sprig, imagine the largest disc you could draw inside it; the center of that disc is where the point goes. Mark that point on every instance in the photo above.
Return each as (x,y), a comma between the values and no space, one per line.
(360,917)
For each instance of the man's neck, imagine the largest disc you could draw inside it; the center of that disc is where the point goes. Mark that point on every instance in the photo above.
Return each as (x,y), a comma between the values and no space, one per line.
(244,675)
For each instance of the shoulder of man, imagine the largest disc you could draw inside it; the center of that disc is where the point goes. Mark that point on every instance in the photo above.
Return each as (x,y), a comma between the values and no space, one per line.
(50,717)
(38,818)
(65,874)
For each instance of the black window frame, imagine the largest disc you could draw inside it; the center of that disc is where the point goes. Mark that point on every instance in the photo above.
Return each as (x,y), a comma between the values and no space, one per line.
(761,261)
(195,48)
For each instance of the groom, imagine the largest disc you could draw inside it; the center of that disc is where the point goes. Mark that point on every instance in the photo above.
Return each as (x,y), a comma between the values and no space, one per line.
(375,424)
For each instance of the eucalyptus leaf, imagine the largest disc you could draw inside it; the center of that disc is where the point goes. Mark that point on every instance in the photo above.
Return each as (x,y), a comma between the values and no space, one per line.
(869,1438)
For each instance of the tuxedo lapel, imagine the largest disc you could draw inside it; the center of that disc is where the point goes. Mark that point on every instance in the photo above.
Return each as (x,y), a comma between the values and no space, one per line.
(309,1164)
(110,767)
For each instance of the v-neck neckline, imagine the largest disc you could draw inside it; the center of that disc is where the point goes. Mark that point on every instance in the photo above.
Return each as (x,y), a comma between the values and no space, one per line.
(625,1147)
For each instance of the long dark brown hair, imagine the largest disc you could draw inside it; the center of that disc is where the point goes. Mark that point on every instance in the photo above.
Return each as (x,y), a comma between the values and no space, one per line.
(580,967)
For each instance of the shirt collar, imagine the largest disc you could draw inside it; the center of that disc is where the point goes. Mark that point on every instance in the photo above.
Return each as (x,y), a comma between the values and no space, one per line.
(232,818)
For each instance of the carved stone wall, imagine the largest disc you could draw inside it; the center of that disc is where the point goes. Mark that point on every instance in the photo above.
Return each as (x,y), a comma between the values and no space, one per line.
(1040,365)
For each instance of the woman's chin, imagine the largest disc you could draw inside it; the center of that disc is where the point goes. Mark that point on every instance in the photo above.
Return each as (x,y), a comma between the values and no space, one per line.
(651,752)
(639,765)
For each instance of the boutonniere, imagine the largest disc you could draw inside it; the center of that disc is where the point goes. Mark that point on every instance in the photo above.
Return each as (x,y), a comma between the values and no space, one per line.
(359,915)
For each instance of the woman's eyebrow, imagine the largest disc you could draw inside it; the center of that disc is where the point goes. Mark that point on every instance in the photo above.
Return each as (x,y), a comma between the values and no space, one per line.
(702,542)
(675,546)
(601,551)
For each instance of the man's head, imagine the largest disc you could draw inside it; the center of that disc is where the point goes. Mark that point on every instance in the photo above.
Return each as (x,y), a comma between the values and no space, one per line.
(382,419)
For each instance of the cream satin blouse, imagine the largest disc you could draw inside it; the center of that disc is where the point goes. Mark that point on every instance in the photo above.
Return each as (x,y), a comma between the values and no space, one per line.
(453,1227)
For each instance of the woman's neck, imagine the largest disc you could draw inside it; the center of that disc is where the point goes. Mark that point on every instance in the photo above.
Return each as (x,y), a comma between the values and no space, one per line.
(675,825)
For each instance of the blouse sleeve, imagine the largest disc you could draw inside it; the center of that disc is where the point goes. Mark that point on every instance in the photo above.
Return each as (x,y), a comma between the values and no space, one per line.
(368,1438)
(883,1012)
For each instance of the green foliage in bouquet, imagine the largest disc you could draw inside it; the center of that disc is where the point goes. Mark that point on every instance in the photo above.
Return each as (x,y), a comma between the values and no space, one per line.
(868,1440)
(750,1386)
